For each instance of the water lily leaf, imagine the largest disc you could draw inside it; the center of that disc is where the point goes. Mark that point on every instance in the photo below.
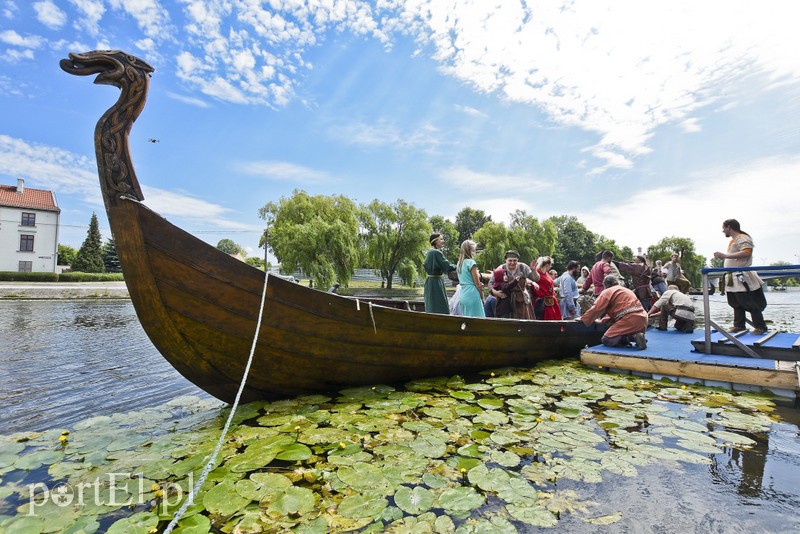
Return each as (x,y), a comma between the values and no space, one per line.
(460,499)
(445,414)
(736,440)
(415,500)
(468,410)
(429,445)
(505,458)
(518,491)
(196,524)
(294,452)
(490,403)
(609,519)
(224,500)
(83,525)
(139,523)
(491,418)
(259,485)
(473,450)
(462,395)
(35,459)
(435,481)
(493,525)
(316,526)
(293,500)
(532,515)
(364,476)
(488,479)
(362,506)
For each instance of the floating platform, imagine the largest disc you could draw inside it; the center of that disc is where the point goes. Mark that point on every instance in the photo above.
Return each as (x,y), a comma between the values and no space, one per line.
(772,345)
(670,354)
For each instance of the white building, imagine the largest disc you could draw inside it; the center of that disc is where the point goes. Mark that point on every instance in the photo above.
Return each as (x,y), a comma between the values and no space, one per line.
(28,229)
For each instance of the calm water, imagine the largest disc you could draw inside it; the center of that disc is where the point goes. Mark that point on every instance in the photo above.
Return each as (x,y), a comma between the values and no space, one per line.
(64,361)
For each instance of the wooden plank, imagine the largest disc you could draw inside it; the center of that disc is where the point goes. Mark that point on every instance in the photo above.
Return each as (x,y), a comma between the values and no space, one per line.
(737,335)
(722,373)
(764,339)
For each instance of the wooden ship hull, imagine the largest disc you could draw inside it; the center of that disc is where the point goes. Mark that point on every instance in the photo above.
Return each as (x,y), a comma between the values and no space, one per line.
(200,306)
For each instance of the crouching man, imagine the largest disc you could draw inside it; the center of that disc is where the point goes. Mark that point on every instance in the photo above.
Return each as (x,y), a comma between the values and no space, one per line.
(619,306)
(674,304)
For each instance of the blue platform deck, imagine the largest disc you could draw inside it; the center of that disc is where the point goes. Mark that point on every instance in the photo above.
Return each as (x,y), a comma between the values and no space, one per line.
(670,354)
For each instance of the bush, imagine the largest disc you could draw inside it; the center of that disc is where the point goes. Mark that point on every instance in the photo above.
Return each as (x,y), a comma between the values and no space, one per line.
(13,276)
(90,277)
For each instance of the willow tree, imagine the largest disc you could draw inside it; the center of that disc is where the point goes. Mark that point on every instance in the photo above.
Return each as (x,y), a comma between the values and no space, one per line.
(317,235)
(691,262)
(492,239)
(450,233)
(531,238)
(396,236)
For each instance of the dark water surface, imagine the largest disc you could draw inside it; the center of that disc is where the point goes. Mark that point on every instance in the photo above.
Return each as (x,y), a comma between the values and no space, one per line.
(62,362)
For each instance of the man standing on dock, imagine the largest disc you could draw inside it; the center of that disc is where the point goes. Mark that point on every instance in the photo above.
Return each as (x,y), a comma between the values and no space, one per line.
(743,288)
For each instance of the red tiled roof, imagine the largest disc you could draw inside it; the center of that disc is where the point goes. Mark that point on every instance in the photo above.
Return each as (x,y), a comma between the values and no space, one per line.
(35,199)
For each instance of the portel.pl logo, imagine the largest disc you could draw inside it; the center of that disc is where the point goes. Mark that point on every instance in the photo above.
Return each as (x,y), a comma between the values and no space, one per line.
(111,489)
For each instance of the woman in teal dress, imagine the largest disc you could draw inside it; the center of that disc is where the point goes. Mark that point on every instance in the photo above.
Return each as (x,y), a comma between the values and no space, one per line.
(471,286)
(436,266)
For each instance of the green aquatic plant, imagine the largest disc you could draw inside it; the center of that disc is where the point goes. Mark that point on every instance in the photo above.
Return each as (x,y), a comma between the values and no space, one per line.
(446,454)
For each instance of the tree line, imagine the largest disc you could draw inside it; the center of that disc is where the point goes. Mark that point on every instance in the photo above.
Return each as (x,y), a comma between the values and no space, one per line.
(328,237)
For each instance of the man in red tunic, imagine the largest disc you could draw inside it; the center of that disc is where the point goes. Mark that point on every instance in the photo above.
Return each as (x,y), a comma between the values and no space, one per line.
(619,306)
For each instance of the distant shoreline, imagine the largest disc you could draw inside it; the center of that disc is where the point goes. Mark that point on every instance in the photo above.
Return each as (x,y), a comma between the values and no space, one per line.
(63,290)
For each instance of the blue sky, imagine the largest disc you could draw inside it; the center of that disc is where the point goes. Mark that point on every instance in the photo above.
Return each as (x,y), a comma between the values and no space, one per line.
(643,119)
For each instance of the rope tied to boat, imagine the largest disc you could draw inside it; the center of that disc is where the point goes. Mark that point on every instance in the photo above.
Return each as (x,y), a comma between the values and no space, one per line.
(371,316)
(190,499)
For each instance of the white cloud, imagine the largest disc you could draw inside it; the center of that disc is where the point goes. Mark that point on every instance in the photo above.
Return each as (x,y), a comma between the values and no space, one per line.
(467,110)
(190,209)
(188,100)
(9,9)
(758,195)
(492,185)
(620,69)
(10,37)
(284,171)
(151,17)
(50,167)
(385,133)
(49,14)
(90,14)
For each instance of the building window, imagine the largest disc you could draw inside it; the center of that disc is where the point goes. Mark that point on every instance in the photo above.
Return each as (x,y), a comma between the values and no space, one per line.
(26,243)
(25,266)
(28,219)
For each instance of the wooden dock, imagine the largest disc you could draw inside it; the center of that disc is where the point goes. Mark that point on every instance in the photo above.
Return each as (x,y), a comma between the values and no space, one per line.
(671,354)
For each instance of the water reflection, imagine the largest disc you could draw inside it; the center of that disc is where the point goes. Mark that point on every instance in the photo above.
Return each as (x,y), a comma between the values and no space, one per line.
(63,361)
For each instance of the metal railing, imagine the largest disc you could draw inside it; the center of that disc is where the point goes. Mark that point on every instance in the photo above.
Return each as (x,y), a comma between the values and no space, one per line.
(773,271)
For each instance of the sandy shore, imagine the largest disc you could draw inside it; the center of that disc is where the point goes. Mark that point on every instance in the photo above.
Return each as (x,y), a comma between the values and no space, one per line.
(63,290)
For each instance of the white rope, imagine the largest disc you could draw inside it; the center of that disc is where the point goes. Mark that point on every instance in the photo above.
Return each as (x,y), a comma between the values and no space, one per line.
(373,318)
(210,464)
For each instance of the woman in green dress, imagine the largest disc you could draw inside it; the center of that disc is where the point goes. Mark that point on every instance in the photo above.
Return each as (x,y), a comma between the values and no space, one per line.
(436,266)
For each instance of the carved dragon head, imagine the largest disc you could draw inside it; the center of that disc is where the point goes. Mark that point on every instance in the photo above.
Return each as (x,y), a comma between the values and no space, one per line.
(110,65)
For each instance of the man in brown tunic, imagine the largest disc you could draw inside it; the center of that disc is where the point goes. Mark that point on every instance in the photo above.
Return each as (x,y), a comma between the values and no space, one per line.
(619,306)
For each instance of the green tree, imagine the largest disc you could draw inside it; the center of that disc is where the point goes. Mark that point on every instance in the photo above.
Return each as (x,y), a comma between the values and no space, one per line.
(469,221)
(66,255)
(110,258)
(450,233)
(530,238)
(90,256)
(492,239)
(229,247)
(573,242)
(255,261)
(396,236)
(315,234)
(690,261)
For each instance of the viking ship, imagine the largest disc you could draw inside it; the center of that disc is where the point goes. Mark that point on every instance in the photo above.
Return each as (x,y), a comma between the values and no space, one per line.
(200,307)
